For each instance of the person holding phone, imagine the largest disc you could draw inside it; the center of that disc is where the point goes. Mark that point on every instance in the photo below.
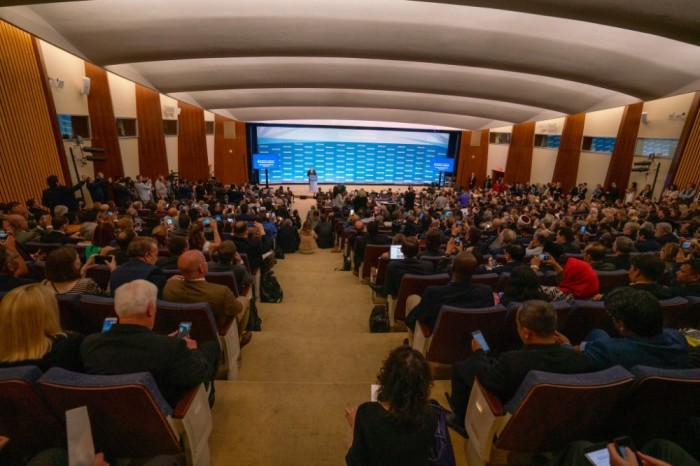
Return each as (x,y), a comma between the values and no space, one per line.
(579,280)
(536,324)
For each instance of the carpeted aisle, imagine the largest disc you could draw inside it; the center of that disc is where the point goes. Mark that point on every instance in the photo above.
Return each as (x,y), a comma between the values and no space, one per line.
(314,357)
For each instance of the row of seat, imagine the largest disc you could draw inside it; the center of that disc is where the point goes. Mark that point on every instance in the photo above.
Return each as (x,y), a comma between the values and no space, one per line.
(33,406)
(449,341)
(551,410)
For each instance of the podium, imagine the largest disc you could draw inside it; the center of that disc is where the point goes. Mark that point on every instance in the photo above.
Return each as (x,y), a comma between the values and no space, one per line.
(313,183)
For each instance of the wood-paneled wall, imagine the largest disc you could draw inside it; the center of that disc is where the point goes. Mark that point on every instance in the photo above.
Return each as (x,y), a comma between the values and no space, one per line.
(230,155)
(623,153)
(193,163)
(519,163)
(685,167)
(153,158)
(28,149)
(103,123)
(473,159)
(566,166)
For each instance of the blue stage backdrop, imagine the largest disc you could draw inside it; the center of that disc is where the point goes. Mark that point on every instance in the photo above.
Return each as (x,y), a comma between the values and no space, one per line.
(352,155)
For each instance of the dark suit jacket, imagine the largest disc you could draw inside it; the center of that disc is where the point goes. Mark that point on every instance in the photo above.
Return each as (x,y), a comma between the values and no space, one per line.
(55,237)
(240,271)
(691,289)
(398,268)
(506,268)
(126,349)
(659,292)
(647,245)
(224,304)
(457,294)
(135,269)
(253,248)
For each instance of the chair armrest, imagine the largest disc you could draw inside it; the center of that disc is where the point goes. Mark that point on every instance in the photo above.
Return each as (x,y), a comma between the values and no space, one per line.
(485,418)
(425,330)
(185,402)
(224,329)
(492,400)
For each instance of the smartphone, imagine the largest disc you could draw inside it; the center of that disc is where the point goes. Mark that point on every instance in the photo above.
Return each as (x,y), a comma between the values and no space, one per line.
(183,207)
(109,321)
(479,337)
(229,220)
(3,235)
(352,212)
(544,256)
(110,213)
(169,221)
(488,225)
(686,245)
(206,221)
(582,230)
(184,329)
(100,260)
(621,443)
(598,454)
(448,213)
(457,241)
(218,218)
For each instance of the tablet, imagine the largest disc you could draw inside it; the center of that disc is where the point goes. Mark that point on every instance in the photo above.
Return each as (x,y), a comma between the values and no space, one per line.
(395,252)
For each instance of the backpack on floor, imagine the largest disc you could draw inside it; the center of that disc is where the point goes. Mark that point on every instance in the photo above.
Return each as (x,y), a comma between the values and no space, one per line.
(254,320)
(270,289)
(379,319)
(442,453)
(347,264)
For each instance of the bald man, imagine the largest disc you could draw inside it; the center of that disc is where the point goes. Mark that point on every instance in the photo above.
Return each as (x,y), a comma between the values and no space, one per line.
(193,288)
(461,292)
(18,224)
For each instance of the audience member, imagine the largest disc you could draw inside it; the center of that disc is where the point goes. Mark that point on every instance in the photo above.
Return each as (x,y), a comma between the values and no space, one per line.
(66,274)
(12,267)
(57,235)
(687,279)
(176,246)
(177,365)
(398,268)
(579,280)
(230,261)
(594,254)
(372,237)
(308,239)
(288,237)
(143,254)
(32,334)
(523,285)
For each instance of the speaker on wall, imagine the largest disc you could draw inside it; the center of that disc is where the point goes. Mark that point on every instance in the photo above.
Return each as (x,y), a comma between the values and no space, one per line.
(86,86)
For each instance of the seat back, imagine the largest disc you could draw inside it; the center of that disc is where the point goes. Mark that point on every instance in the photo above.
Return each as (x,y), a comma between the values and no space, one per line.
(611,280)
(223,278)
(584,317)
(95,310)
(372,254)
(71,313)
(451,339)
(101,274)
(144,432)
(692,317)
(434,259)
(508,338)
(675,312)
(246,261)
(577,406)
(415,284)
(169,315)
(660,401)
(381,270)
(24,416)
(490,279)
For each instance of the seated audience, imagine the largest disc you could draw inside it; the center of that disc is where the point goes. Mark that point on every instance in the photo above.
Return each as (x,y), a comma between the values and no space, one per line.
(123,239)
(288,237)
(645,241)
(13,269)
(372,237)
(399,428)
(102,239)
(579,280)
(230,261)
(536,323)
(664,233)
(638,317)
(460,292)
(523,285)
(668,254)
(143,254)
(433,243)
(195,289)
(514,255)
(58,234)
(644,272)
(177,365)
(66,274)
(196,239)
(176,246)
(325,232)
(398,268)
(32,334)
(253,246)
(594,254)
(308,239)
(622,247)
(687,279)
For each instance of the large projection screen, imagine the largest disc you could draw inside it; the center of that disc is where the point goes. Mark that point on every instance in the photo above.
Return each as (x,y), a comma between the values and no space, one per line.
(351,155)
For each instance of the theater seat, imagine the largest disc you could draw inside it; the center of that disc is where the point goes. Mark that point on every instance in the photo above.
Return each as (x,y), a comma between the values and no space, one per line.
(129,417)
(547,412)
(71,314)
(412,284)
(95,310)
(223,278)
(584,317)
(24,416)
(371,258)
(611,280)
(450,340)
(676,312)
(101,274)
(490,279)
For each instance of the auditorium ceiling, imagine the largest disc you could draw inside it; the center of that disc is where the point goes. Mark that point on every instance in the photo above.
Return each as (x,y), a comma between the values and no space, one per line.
(469,64)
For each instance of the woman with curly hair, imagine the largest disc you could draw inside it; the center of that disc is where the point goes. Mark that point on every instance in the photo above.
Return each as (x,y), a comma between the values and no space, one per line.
(399,428)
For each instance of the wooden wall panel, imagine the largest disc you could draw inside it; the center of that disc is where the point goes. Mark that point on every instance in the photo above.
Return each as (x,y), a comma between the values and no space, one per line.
(623,153)
(153,158)
(230,155)
(566,166)
(473,159)
(192,160)
(103,123)
(685,167)
(28,149)
(519,163)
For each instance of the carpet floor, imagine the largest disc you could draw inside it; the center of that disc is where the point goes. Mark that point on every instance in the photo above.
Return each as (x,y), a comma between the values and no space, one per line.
(314,357)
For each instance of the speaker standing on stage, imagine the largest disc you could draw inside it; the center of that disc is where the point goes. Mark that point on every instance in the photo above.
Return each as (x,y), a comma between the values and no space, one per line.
(313,187)
(311,172)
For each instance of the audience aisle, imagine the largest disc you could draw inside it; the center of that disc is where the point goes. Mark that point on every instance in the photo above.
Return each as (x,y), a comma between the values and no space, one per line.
(314,357)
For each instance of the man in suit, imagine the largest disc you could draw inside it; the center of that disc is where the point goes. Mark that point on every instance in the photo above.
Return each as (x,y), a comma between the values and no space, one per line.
(536,323)
(252,247)
(177,365)
(398,268)
(460,292)
(687,279)
(514,254)
(58,234)
(195,289)
(645,241)
(230,261)
(176,246)
(311,172)
(143,255)
(372,237)
(472,182)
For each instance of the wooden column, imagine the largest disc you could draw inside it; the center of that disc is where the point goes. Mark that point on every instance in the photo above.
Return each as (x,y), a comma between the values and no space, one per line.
(153,158)
(103,123)
(473,158)
(193,163)
(623,153)
(685,167)
(230,151)
(519,163)
(566,166)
